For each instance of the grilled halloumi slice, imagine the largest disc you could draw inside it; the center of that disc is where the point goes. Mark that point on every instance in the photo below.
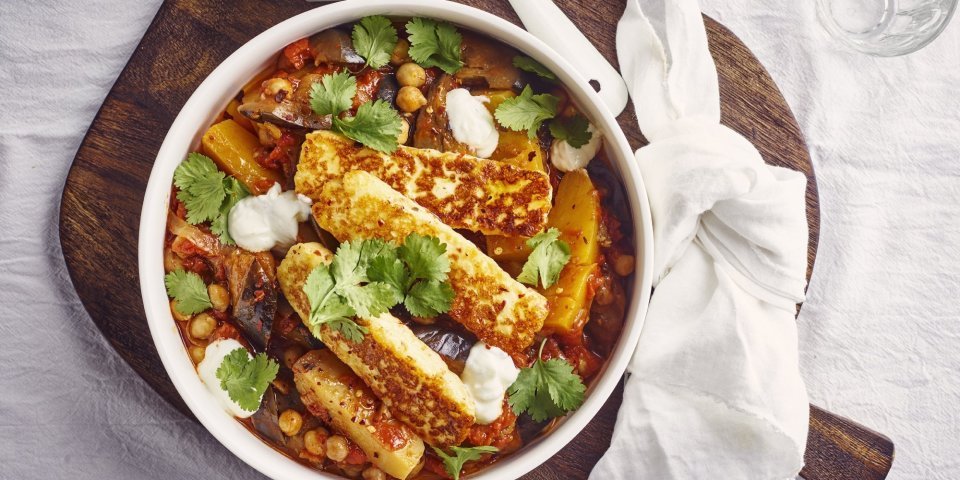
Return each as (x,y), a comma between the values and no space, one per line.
(487,196)
(326,385)
(411,379)
(488,302)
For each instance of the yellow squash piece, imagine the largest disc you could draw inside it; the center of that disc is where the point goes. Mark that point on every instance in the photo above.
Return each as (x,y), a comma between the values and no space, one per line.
(327,385)
(486,196)
(233,148)
(411,379)
(577,215)
(489,302)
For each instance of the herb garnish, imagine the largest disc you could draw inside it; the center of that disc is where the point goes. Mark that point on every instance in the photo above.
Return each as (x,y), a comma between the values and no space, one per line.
(549,256)
(376,123)
(207,193)
(528,64)
(246,379)
(546,389)
(435,44)
(189,291)
(368,277)
(374,38)
(454,463)
(527,111)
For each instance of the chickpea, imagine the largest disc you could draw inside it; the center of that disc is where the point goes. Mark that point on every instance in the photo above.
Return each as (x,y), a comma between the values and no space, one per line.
(291,355)
(410,99)
(401,53)
(274,86)
(218,296)
(290,422)
(623,265)
(198,353)
(337,448)
(604,295)
(404,131)
(180,317)
(374,473)
(268,133)
(411,74)
(202,326)
(171,261)
(314,440)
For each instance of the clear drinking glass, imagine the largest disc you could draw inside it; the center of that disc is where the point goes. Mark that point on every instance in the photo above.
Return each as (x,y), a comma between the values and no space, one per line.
(885,28)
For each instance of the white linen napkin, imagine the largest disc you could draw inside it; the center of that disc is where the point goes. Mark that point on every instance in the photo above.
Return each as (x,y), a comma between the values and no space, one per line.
(714,389)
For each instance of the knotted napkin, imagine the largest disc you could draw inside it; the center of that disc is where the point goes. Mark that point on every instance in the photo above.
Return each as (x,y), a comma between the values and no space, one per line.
(714,389)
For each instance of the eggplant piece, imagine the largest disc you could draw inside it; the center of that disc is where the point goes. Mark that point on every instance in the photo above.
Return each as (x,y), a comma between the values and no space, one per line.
(529,429)
(433,128)
(291,109)
(447,338)
(333,46)
(388,88)
(267,419)
(250,278)
(485,64)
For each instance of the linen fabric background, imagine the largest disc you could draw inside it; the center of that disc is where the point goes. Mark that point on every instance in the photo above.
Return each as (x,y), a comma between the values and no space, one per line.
(879,331)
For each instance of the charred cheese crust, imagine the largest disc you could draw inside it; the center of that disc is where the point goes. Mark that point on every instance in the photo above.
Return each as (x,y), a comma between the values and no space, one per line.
(411,379)
(327,385)
(487,196)
(488,302)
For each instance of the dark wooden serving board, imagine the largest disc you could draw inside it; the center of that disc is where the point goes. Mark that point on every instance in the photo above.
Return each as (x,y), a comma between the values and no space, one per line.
(102,197)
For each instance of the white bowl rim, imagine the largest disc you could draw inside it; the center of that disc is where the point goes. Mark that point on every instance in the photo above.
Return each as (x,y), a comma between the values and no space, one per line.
(211,97)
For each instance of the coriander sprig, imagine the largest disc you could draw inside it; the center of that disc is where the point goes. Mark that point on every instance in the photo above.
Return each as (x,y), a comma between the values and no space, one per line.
(435,44)
(207,193)
(368,277)
(574,130)
(376,124)
(546,261)
(546,389)
(246,378)
(528,64)
(189,291)
(527,111)
(453,464)
(374,38)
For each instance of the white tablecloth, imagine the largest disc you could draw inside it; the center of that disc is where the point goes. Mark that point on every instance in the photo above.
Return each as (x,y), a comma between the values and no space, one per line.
(879,331)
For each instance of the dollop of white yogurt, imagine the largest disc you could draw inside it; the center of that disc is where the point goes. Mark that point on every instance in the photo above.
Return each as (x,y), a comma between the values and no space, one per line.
(207,370)
(568,159)
(471,122)
(263,222)
(488,374)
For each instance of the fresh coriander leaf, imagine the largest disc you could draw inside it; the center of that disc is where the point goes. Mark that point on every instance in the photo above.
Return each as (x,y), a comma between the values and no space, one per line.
(429,298)
(349,329)
(201,187)
(425,256)
(528,64)
(326,306)
(527,111)
(349,266)
(375,125)
(575,130)
(370,300)
(546,261)
(188,289)
(333,94)
(434,44)
(374,38)
(546,389)
(453,464)
(246,379)
(236,191)
(389,270)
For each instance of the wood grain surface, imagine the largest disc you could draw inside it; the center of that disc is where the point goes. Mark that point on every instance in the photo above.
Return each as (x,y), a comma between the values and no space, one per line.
(188,38)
